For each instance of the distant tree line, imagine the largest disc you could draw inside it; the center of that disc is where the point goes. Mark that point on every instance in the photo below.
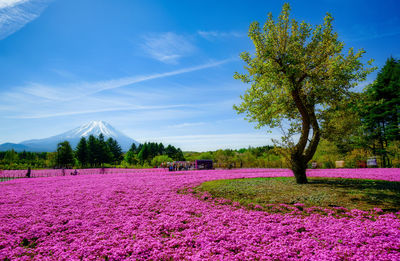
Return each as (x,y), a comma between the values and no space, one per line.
(152,154)
(251,157)
(21,160)
(97,151)
(93,152)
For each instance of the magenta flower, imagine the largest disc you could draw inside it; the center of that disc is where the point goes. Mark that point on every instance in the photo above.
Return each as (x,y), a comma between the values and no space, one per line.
(139,215)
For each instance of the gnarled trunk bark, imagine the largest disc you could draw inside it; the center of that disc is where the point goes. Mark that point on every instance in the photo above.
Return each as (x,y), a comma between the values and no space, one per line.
(301,153)
(299,167)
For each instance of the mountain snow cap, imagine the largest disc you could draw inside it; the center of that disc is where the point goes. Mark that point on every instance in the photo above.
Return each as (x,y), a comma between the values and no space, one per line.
(95,128)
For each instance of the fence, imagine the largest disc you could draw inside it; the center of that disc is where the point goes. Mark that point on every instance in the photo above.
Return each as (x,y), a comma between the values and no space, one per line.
(38,173)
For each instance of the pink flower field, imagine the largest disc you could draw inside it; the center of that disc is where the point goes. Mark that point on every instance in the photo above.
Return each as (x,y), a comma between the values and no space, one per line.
(139,215)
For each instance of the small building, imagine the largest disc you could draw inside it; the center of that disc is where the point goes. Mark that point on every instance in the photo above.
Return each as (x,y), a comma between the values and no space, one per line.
(339,164)
(372,162)
(203,164)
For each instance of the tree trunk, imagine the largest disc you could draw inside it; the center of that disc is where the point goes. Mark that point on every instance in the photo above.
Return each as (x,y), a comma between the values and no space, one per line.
(299,166)
(301,153)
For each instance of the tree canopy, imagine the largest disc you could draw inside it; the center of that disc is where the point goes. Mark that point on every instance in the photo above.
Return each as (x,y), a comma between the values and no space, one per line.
(147,151)
(380,110)
(81,152)
(297,71)
(65,155)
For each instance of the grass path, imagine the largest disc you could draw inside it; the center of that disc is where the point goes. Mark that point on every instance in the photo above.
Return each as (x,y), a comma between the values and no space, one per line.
(322,192)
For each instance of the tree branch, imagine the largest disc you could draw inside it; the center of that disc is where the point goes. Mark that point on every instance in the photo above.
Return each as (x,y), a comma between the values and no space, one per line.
(305,129)
(309,153)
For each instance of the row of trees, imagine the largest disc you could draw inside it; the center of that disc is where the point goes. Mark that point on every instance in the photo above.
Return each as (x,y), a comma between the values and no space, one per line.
(93,152)
(252,157)
(14,160)
(96,151)
(380,111)
(153,154)
(369,121)
(148,154)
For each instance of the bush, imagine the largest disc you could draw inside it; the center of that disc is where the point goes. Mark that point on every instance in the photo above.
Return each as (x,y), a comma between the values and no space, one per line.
(158,160)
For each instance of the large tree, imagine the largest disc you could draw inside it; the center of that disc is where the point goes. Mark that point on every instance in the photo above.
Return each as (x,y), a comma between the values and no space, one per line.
(297,70)
(105,155)
(93,151)
(380,111)
(115,149)
(81,152)
(65,155)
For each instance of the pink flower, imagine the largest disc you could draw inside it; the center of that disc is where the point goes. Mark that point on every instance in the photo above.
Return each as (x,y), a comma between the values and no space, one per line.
(138,214)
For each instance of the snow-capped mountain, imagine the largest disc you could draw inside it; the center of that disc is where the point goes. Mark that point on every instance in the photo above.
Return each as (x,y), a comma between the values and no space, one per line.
(94,128)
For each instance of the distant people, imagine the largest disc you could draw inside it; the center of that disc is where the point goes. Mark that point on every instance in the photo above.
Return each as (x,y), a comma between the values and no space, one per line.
(63,171)
(103,170)
(74,173)
(28,174)
(314,164)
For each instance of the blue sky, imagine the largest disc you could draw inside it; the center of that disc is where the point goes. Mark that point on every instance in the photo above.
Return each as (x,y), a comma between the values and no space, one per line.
(155,70)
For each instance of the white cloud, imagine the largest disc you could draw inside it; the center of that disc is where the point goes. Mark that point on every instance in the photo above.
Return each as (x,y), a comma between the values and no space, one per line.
(15,14)
(82,89)
(186,125)
(39,101)
(91,111)
(63,73)
(167,47)
(361,85)
(212,35)
(10,3)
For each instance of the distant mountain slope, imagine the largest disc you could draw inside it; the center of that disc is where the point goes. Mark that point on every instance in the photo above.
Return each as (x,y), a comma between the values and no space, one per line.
(73,136)
(15,146)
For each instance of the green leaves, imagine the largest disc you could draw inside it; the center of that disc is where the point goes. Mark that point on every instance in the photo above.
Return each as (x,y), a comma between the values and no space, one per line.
(295,56)
(65,155)
(381,110)
(81,152)
(295,68)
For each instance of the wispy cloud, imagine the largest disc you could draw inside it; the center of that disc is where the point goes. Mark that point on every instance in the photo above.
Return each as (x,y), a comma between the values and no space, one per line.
(15,14)
(10,3)
(39,101)
(63,73)
(80,112)
(79,90)
(361,86)
(167,47)
(386,28)
(186,125)
(376,36)
(213,35)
